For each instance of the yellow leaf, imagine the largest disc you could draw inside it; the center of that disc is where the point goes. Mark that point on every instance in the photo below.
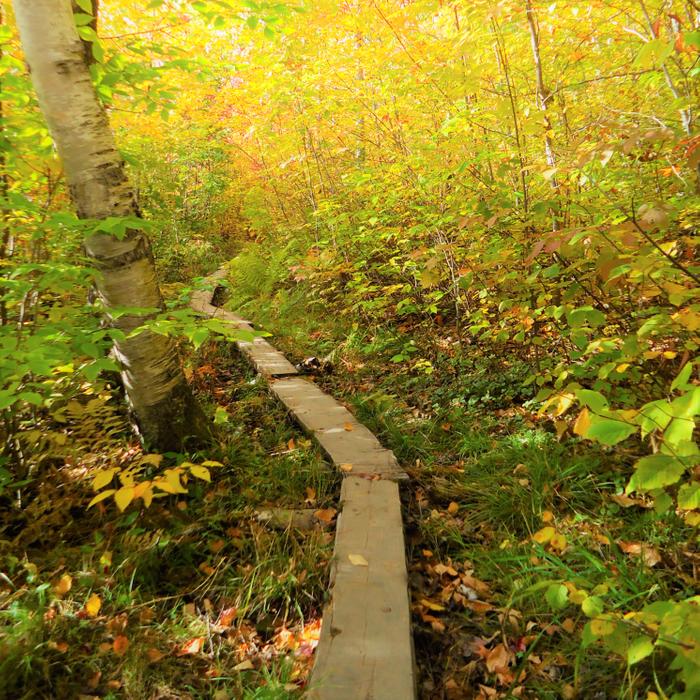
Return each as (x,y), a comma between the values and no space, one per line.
(93,605)
(103,478)
(147,497)
(171,482)
(547,516)
(349,427)
(583,423)
(124,496)
(544,535)
(453,508)
(357,560)
(558,542)
(101,497)
(63,585)
(602,627)
(211,463)
(152,459)
(200,472)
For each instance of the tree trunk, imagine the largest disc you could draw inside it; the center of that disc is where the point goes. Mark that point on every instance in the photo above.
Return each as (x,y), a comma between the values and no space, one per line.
(163,407)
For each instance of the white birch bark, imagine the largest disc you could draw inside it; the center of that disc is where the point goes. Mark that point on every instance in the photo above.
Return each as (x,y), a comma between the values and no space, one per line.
(159,397)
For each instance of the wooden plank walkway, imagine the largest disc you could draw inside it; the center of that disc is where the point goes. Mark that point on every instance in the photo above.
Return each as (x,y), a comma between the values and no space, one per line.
(366,648)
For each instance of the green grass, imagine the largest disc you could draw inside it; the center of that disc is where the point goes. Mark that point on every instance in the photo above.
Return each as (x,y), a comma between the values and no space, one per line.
(164,575)
(467,438)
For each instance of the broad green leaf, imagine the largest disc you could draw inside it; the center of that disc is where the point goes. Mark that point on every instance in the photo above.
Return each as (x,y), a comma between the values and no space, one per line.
(655,472)
(689,496)
(609,431)
(585,316)
(593,399)
(557,595)
(639,649)
(593,606)
(683,376)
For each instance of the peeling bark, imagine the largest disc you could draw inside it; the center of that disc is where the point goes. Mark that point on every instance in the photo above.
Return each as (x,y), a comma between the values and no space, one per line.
(165,412)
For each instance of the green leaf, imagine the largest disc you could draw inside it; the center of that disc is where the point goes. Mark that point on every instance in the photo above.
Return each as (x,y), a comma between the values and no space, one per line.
(85,5)
(557,596)
(682,379)
(689,496)
(87,34)
(593,399)
(655,472)
(82,19)
(252,21)
(198,336)
(593,606)
(98,53)
(639,649)
(585,316)
(609,431)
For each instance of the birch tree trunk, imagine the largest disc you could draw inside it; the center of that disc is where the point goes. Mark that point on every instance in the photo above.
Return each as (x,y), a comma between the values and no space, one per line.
(161,402)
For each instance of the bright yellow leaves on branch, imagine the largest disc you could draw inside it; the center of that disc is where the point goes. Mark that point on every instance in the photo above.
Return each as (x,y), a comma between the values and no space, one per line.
(171,481)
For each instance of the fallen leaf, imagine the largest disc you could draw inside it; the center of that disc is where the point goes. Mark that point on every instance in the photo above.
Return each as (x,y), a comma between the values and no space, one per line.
(498,659)
(357,560)
(650,555)
(453,508)
(547,516)
(227,616)
(349,427)
(558,542)
(154,655)
(63,585)
(146,615)
(61,647)
(94,680)
(346,467)
(291,445)
(93,605)
(431,605)
(246,665)
(568,625)
(325,515)
(194,646)
(120,645)
(216,546)
(544,535)
(310,495)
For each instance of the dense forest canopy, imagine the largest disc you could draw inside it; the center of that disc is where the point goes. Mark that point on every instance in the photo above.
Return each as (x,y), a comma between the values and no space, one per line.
(484,213)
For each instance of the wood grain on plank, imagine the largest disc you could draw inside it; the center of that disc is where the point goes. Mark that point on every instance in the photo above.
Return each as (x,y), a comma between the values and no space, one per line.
(344,439)
(366,650)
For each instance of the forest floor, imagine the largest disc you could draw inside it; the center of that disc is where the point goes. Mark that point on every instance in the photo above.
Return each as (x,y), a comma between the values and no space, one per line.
(194,597)
(501,512)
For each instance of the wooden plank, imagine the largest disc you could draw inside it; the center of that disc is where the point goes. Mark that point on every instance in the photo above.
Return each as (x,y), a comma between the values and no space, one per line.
(365,651)
(266,360)
(344,439)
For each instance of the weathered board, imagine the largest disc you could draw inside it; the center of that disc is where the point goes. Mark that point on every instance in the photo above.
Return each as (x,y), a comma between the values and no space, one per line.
(266,360)
(365,651)
(344,439)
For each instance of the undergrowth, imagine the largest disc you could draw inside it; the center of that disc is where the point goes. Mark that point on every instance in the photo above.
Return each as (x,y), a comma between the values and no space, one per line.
(511,525)
(193,597)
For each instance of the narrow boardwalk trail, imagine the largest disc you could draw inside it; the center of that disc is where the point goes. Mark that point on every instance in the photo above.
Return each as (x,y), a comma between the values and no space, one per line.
(366,648)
